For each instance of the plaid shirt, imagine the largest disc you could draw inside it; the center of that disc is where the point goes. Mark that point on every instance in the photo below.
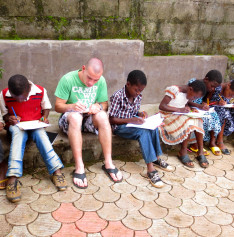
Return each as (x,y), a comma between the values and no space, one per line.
(121,107)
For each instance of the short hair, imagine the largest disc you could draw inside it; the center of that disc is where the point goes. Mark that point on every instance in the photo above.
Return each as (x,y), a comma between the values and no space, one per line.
(198,85)
(18,84)
(137,77)
(215,75)
(96,64)
(232,85)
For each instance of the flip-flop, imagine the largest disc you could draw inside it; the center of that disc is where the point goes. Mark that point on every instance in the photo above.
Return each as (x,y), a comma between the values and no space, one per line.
(202,159)
(112,171)
(226,151)
(216,150)
(3,181)
(80,176)
(185,160)
(206,153)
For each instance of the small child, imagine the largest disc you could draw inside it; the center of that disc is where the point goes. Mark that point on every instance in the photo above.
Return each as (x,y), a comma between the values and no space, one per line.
(125,105)
(28,102)
(177,128)
(224,94)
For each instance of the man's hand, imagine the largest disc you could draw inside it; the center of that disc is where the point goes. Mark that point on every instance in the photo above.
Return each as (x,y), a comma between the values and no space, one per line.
(79,107)
(1,126)
(94,109)
(137,120)
(13,120)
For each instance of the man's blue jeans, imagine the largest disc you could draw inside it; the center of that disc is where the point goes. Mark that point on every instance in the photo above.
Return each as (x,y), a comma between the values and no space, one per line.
(18,142)
(148,140)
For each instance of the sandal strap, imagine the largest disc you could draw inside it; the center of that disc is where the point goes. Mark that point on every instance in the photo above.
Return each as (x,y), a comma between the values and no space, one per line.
(202,159)
(112,171)
(79,176)
(185,159)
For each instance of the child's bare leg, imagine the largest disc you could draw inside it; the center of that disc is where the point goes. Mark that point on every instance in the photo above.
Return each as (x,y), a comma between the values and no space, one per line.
(150,167)
(219,141)
(3,170)
(199,137)
(212,139)
(183,152)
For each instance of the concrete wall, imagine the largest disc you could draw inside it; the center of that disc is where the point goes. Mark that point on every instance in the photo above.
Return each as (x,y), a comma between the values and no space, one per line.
(166,26)
(44,62)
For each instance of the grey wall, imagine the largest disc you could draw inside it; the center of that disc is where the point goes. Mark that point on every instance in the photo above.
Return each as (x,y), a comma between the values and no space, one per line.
(166,26)
(45,62)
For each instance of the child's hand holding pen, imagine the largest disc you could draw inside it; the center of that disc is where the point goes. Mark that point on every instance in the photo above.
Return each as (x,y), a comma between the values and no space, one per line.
(143,114)
(13,120)
(204,106)
(44,119)
(137,120)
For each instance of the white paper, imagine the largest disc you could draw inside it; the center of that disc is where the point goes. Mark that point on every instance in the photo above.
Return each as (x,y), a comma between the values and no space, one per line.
(35,124)
(199,114)
(151,122)
(226,106)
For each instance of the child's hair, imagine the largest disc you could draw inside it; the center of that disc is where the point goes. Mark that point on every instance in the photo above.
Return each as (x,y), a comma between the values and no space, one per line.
(18,84)
(215,75)
(232,85)
(137,77)
(198,85)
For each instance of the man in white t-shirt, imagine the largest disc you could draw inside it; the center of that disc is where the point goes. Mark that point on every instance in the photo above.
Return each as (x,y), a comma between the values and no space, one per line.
(82,97)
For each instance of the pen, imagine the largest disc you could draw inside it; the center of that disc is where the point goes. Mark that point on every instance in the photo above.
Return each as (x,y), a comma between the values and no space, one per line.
(14,113)
(220,97)
(208,101)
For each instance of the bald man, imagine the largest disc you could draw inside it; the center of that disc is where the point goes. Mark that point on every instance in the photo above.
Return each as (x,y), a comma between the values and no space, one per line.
(81,97)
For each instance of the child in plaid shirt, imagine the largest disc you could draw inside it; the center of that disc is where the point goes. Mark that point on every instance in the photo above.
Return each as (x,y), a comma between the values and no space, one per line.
(125,105)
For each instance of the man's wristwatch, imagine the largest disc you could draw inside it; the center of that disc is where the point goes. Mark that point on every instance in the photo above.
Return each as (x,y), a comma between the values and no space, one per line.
(101,107)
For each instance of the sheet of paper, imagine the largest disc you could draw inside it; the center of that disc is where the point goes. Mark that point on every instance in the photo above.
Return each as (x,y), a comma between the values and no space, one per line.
(199,114)
(151,122)
(32,125)
(226,106)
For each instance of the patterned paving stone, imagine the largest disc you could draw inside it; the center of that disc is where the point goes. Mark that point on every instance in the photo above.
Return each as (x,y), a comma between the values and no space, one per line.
(193,184)
(197,167)
(186,232)
(136,221)
(106,194)
(123,187)
(145,194)
(230,159)
(231,195)
(88,203)
(119,163)
(96,168)
(28,180)
(21,215)
(177,218)
(222,165)
(166,188)
(162,229)
(20,231)
(174,161)
(45,204)
(95,235)
(132,168)
(141,163)
(128,202)
(168,201)
(116,229)
(45,187)
(172,179)
(5,227)
(141,233)
(204,199)
(5,205)
(218,217)
(226,205)
(205,228)
(226,231)
(111,212)
(183,173)
(137,180)
(216,191)
(153,211)
(90,190)
(229,174)
(192,208)
(44,225)
(179,191)
(204,178)
(66,196)
(211,170)
(101,180)
(28,195)
(67,213)
(225,183)
(2,192)
(91,223)
(125,174)
(69,230)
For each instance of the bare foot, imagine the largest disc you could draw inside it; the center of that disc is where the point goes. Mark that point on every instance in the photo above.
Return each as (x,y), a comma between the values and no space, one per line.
(78,181)
(116,177)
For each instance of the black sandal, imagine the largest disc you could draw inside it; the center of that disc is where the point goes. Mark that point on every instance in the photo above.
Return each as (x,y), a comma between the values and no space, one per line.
(80,176)
(112,171)
(186,160)
(202,159)
(226,151)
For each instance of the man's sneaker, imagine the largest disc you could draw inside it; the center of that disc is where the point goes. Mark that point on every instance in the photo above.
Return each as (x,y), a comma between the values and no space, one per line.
(13,191)
(59,181)
(155,179)
(162,164)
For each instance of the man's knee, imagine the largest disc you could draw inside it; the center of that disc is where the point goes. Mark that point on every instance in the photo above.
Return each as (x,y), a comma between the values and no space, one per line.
(101,118)
(75,119)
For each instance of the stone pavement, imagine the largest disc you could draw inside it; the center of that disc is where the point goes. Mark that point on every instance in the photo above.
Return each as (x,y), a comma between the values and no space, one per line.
(193,202)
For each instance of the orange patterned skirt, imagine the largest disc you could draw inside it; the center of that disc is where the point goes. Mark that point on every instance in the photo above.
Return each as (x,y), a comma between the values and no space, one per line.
(177,128)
